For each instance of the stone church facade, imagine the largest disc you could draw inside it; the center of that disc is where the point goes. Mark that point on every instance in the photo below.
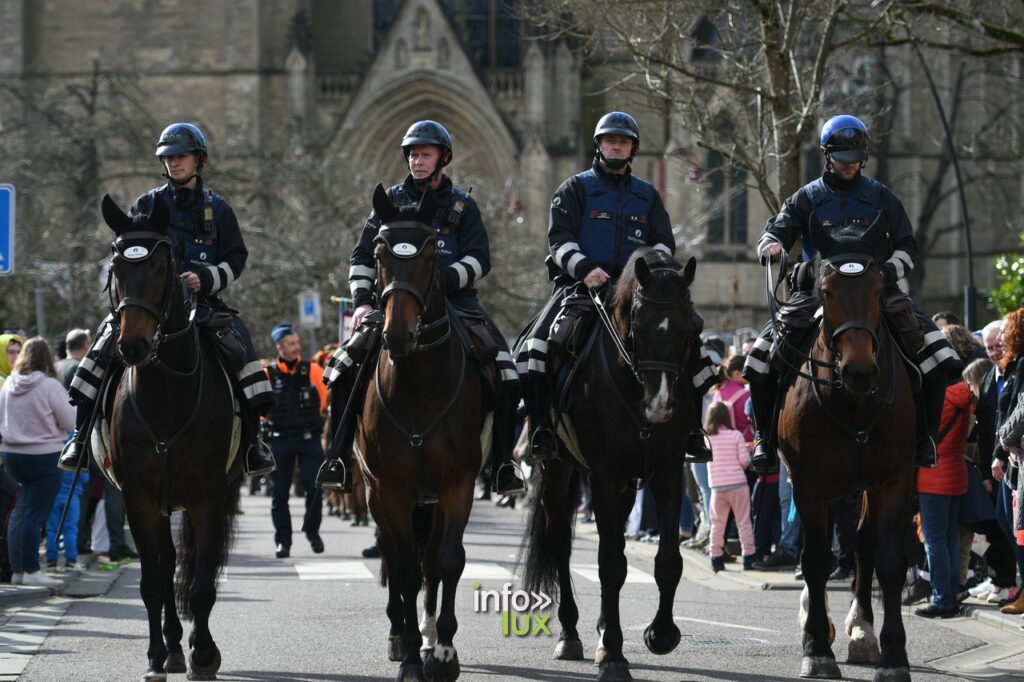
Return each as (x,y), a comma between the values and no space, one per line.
(358,72)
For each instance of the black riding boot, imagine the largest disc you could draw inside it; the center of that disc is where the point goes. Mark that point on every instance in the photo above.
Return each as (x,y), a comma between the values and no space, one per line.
(336,472)
(75,454)
(259,458)
(933,393)
(762,398)
(697,449)
(538,406)
(506,478)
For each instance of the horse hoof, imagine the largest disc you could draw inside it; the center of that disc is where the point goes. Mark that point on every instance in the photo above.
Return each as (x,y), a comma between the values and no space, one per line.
(820,667)
(203,671)
(599,654)
(441,664)
(664,642)
(175,662)
(614,671)
(396,651)
(411,672)
(154,676)
(861,651)
(892,675)
(569,650)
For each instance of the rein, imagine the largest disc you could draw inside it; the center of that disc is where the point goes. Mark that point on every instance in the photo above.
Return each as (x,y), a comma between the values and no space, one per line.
(606,321)
(772,285)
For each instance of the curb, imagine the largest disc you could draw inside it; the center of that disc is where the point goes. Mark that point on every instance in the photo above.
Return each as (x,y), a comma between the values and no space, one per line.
(94,582)
(14,594)
(989,615)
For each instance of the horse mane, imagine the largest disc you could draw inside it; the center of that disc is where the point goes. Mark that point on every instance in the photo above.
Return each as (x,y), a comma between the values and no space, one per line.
(622,296)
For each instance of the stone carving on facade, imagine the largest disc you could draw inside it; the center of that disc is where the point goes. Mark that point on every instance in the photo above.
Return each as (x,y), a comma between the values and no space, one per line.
(401,54)
(422,29)
(444,55)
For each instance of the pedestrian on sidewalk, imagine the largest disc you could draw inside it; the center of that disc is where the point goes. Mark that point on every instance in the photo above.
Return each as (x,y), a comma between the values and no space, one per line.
(729,490)
(35,420)
(70,529)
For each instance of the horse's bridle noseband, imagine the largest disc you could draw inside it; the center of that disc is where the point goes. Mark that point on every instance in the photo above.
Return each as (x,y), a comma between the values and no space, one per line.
(424,300)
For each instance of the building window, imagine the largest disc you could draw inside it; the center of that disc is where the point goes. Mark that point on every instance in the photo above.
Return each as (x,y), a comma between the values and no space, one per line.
(727,196)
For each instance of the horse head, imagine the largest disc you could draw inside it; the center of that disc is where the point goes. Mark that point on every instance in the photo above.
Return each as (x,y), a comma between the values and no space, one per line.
(142,278)
(653,312)
(851,301)
(408,271)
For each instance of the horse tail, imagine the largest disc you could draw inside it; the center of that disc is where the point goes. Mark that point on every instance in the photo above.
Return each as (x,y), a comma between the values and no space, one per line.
(551,518)
(186,573)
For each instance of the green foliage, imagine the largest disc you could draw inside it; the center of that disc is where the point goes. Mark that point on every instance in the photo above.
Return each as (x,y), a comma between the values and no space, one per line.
(1009,295)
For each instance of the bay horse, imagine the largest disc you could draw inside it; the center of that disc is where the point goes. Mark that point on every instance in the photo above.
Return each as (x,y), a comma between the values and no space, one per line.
(171,443)
(632,421)
(419,440)
(847,424)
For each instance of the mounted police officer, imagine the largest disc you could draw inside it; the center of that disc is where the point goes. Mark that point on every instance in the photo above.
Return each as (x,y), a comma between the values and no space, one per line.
(294,424)
(844,199)
(598,219)
(211,255)
(464,251)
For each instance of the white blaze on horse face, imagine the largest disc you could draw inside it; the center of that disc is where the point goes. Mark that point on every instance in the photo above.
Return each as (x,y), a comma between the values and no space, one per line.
(658,410)
(664,325)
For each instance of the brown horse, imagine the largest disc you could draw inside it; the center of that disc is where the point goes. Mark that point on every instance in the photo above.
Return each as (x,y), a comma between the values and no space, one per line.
(632,419)
(170,442)
(847,424)
(419,440)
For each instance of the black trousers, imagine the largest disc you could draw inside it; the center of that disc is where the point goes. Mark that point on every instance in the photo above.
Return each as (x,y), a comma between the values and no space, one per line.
(310,455)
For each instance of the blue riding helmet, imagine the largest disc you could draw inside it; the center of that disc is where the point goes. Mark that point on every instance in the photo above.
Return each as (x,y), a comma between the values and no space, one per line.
(617,123)
(181,138)
(845,138)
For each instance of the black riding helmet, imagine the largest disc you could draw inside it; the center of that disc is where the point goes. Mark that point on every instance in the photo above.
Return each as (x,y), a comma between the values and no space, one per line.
(617,123)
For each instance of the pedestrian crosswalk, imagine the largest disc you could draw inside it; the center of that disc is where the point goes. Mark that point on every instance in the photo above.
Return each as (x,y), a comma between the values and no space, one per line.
(23,634)
(475,571)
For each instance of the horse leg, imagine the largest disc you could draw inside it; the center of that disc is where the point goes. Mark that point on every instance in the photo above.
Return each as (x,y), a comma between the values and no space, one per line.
(208,526)
(431,582)
(409,578)
(558,495)
(611,561)
(145,524)
(389,577)
(662,635)
(863,647)
(816,562)
(175,662)
(893,520)
(626,502)
(442,663)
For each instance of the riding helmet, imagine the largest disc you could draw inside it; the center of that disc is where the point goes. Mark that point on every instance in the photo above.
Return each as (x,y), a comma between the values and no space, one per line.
(845,138)
(617,123)
(181,138)
(428,132)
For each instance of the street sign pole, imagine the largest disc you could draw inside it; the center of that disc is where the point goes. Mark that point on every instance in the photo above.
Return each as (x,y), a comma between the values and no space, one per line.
(6,229)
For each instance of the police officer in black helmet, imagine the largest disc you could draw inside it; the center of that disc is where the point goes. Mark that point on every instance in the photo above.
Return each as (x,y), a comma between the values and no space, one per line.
(589,250)
(212,255)
(464,251)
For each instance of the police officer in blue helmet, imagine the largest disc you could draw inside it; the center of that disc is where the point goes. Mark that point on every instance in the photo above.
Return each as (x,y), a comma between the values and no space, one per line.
(589,251)
(844,200)
(464,252)
(211,254)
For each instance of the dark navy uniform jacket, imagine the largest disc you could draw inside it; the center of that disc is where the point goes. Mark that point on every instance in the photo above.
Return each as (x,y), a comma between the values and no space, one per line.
(218,256)
(462,243)
(829,204)
(598,219)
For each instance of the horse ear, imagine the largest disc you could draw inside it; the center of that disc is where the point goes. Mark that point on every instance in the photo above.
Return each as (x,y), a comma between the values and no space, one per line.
(642,270)
(689,271)
(114,216)
(428,206)
(159,215)
(382,205)
(823,241)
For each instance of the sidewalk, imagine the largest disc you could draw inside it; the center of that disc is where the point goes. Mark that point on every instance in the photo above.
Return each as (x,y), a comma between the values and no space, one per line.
(93,582)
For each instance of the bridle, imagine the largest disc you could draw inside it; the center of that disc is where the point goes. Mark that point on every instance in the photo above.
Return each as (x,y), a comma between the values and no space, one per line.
(408,251)
(127,247)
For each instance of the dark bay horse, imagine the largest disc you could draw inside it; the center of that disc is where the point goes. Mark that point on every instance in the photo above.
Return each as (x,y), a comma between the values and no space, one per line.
(632,422)
(847,424)
(171,442)
(419,441)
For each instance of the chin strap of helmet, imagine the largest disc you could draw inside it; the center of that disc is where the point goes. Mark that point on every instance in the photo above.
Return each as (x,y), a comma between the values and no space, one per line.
(441,163)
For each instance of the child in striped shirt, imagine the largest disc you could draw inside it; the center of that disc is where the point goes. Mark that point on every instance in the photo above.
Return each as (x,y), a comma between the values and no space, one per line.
(729,489)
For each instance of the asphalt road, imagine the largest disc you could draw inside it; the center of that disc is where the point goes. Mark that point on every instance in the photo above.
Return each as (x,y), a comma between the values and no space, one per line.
(321,617)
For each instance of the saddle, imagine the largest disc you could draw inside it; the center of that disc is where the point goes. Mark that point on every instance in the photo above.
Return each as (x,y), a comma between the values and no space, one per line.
(216,327)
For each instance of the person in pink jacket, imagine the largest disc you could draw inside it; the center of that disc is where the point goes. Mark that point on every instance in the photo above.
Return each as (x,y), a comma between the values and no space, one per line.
(35,420)
(729,489)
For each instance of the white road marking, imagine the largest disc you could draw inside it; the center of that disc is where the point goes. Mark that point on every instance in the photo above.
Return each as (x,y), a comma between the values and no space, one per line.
(589,572)
(333,570)
(724,625)
(485,571)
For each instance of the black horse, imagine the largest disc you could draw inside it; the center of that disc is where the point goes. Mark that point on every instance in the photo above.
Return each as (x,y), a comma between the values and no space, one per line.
(172,441)
(847,424)
(631,421)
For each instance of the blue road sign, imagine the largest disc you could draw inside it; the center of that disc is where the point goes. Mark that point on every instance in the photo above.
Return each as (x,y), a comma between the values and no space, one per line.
(6,229)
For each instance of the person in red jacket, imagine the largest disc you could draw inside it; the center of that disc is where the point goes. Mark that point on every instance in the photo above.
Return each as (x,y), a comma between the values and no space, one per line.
(939,491)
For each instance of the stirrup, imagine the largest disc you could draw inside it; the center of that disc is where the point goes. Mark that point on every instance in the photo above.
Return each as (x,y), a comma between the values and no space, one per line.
(259,459)
(333,475)
(73,456)
(518,485)
(764,456)
(542,443)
